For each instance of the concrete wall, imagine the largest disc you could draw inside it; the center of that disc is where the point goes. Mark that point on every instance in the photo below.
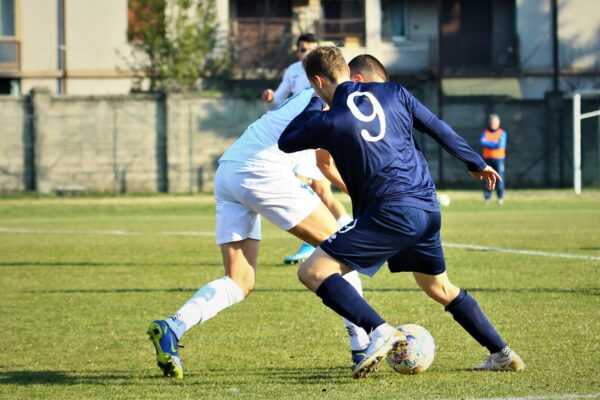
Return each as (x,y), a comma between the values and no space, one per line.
(150,143)
(15,128)
(102,144)
(199,131)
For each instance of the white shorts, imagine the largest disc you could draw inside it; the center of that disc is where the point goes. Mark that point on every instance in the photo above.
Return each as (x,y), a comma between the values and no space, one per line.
(307,166)
(243,194)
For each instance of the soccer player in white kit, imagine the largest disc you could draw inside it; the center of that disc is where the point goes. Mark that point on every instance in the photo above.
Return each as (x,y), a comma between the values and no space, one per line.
(253,178)
(294,80)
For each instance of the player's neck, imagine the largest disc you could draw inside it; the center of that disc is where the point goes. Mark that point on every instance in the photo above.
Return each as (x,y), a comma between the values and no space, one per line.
(332,88)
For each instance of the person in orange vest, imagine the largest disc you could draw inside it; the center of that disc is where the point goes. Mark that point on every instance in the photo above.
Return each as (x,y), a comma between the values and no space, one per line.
(493,142)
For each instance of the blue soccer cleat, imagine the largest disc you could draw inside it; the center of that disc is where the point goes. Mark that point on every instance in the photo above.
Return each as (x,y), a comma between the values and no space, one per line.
(166,345)
(302,254)
(358,356)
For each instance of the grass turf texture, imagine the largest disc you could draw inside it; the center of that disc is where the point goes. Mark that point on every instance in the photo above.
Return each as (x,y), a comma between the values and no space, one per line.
(78,298)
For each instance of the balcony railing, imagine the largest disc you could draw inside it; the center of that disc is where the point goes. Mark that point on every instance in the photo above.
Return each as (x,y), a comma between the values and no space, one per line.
(344,32)
(479,55)
(262,43)
(10,56)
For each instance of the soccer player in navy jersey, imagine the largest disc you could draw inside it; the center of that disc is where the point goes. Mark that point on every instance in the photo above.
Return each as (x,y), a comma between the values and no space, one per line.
(255,178)
(368,131)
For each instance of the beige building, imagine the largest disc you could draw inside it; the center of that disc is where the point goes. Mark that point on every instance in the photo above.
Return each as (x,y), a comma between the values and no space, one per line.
(466,47)
(68,46)
(469,47)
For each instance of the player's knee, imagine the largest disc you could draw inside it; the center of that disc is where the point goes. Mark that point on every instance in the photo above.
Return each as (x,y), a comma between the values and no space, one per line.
(307,277)
(302,275)
(321,188)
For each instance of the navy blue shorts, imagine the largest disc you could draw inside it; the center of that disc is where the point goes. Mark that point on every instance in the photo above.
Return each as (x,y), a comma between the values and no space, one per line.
(408,238)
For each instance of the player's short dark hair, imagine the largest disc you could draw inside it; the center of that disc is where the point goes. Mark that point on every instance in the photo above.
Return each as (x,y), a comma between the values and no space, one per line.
(367,63)
(326,61)
(308,38)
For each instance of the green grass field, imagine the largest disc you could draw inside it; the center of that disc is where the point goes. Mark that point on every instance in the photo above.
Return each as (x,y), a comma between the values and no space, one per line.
(83,277)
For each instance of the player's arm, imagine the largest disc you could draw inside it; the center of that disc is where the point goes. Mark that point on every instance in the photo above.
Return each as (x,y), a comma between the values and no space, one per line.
(302,133)
(329,169)
(284,89)
(425,121)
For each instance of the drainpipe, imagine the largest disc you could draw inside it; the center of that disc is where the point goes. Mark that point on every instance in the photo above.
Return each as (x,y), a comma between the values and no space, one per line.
(62,50)
(557,94)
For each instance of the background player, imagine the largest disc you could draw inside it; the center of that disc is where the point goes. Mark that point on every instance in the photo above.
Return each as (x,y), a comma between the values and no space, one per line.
(254,177)
(295,80)
(368,131)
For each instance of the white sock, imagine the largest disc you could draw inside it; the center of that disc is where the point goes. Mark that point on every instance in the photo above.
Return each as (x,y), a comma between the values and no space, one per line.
(344,220)
(383,330)
(359,339)
(205,304)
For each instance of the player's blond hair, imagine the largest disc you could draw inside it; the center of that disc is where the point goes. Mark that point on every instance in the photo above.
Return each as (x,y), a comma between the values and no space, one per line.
(327,62)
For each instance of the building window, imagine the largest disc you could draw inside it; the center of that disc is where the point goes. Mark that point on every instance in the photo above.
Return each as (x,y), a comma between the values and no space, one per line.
(478,37)
(262,8)
(262,36)
(393,14)
(7,18)
(343,22)
(9,45)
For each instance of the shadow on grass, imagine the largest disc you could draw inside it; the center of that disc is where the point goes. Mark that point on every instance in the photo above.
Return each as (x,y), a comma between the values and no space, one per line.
(591,291)
(106,264)
(36,378)
(299,376)
(285,376)
(67,378)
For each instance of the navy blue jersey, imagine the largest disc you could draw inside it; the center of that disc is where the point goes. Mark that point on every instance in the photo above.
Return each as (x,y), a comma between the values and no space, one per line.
(368,131)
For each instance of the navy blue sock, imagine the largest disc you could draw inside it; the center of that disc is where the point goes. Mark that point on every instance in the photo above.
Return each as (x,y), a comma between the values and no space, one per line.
(469,315)
(342,298)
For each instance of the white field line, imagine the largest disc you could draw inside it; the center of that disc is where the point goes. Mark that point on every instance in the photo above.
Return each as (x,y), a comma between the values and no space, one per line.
(523,252)
(116,232)
(545,397)
(31,231)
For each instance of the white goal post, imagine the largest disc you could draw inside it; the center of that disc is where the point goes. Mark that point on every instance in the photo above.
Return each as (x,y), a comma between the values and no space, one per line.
(577,118)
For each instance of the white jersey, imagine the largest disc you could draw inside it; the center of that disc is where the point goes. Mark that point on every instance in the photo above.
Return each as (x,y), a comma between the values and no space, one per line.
(257,147)
(294,81)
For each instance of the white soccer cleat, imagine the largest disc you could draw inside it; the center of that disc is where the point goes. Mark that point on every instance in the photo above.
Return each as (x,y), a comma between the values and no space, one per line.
(384,340)
(504,360)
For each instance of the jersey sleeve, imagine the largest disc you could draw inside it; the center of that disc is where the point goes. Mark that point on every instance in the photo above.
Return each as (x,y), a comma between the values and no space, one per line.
(425,121)
(283,90)
(304,131)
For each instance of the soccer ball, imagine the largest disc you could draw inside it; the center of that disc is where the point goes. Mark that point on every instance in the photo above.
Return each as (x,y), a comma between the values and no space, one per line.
(419,354)
(444,200)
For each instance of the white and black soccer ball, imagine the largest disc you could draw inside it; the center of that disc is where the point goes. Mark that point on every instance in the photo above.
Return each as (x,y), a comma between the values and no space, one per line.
(444,200)
(419,354)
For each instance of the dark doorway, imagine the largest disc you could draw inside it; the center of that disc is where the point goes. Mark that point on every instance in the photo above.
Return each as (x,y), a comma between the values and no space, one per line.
(466,33)
(4,86)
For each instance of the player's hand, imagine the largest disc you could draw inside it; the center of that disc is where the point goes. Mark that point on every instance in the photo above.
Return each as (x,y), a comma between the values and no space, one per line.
(267,95)
(489,175)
